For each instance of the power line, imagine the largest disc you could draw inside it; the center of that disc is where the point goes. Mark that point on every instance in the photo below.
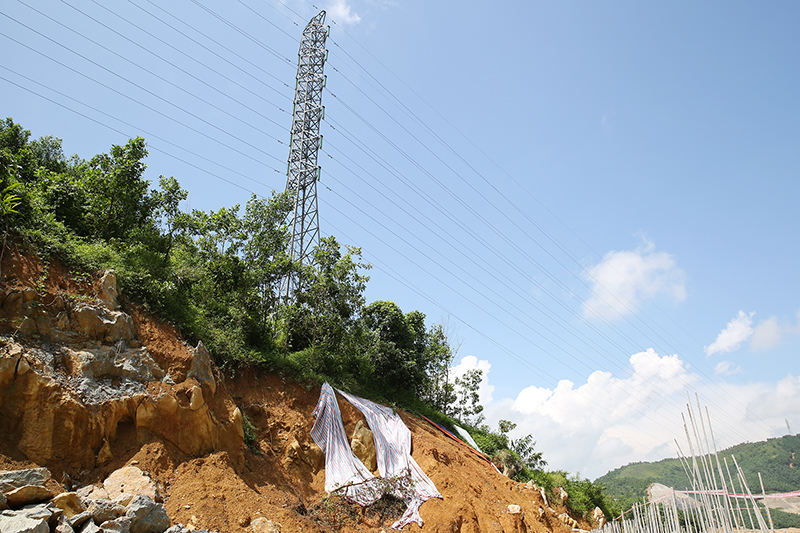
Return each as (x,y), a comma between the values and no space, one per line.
(135,85)
(129,136)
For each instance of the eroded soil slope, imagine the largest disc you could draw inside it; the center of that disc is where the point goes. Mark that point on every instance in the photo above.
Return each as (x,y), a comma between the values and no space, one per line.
(84,400)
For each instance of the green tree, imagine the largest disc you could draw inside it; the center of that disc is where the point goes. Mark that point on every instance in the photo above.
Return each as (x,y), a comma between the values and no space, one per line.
(175,222)
(117,195)
(438,389)
(264,252)
(392,349)
(325,315)
(8,206)
(468,408)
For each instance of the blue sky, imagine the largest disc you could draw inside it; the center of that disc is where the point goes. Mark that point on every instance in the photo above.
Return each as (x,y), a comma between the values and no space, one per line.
(600,198)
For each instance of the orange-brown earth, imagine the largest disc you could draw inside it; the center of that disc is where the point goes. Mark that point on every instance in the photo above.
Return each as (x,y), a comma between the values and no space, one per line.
(282,476)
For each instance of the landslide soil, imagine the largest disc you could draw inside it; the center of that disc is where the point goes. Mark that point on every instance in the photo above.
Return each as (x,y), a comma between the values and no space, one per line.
(279,479)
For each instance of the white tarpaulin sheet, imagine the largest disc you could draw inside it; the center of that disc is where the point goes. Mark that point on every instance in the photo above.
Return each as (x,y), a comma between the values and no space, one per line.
(466,436)
(401,474)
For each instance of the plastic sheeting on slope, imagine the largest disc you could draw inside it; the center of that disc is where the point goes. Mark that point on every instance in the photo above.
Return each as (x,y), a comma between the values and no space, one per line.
(403,477)
(467,437)
(342,468)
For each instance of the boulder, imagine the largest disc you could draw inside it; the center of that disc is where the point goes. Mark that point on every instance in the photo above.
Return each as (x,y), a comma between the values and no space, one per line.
(27,495)
(363,445)
(316,457)
(42,510)
(79,519)
(63,525)
(309,460)
(202,369)
(130,481)
(118,525)
(262,525)
(197,400)
(103,510)
(70,503)
(14,479)
(92,492)
(598,517)
(147,516)
(507,463)
(90,527)
(20,523)
(99,323)
(109,292)
(3,502)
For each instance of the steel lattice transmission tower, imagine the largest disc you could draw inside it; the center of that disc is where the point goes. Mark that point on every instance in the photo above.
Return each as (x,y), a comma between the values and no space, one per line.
(303,171)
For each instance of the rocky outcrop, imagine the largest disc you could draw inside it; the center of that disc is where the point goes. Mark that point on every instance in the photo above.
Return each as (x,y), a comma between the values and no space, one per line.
(598,518)
(507,463)
(568,520)
(75,370)
(202,368)
(363,445)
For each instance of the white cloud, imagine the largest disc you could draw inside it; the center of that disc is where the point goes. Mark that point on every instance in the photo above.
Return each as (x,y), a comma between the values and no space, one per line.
(609,421)
(471,362)
(770,333)
(342,12)
(735,333)
(726,368)
(623,278)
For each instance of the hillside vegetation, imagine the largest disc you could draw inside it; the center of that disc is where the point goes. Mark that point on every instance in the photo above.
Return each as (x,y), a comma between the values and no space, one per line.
(216,277)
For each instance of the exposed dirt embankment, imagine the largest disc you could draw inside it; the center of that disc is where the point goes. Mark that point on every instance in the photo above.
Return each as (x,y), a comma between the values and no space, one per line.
(88,386)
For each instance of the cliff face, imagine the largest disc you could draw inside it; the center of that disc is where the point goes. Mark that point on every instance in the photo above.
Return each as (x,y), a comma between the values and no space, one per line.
(88,387)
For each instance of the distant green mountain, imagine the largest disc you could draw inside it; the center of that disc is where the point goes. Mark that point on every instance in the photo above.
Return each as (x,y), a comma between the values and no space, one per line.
(777,459)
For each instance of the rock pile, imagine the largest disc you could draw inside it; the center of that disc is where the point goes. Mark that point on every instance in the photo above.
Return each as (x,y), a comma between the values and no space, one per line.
(128,502)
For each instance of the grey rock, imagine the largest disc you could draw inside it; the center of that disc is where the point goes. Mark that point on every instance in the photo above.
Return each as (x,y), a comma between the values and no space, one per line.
(14,479)
(103,390)
(92,492)
(63,525)
(90,527)
(109,292)
(103,510)
(3,501)
(27,495)
(79,519)
(19,523)
(177,528)
(41,510)
(98,322)
(136,364)
(147,516)
(201,367)
(118,525)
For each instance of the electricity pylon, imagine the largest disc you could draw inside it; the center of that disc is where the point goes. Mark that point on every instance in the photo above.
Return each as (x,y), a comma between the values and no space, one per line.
(303,170)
